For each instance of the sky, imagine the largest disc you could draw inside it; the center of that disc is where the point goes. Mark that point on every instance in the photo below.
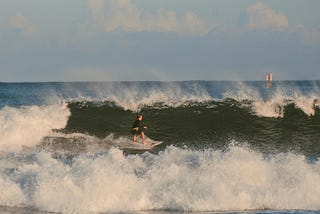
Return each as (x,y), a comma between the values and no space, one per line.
(159,40)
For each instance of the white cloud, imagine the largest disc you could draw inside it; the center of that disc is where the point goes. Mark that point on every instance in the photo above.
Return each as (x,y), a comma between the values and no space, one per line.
(164,20)
(20,22)
(261,17)
(193,24)
(124,15)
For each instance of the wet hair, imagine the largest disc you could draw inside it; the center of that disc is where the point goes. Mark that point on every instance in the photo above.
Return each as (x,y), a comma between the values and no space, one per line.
(139,115)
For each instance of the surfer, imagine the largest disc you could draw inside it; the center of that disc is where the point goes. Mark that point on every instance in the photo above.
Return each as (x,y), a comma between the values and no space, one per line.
(138,128)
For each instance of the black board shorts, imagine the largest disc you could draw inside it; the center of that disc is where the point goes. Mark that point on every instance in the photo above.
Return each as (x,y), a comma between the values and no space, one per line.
(136,132)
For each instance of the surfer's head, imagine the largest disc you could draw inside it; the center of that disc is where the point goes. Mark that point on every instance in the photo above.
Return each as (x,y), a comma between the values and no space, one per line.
(139,117)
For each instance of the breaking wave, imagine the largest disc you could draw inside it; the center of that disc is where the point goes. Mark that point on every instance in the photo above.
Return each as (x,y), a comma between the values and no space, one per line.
(176,179)
(26,126)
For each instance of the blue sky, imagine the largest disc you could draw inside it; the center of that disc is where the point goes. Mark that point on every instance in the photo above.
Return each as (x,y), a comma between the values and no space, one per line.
(113,40)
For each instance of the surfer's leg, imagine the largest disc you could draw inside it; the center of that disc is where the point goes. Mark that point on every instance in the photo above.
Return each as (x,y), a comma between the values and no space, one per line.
(144,142)
(134,138)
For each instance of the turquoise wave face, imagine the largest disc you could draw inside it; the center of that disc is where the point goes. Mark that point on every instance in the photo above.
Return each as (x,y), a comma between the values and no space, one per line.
(203,125)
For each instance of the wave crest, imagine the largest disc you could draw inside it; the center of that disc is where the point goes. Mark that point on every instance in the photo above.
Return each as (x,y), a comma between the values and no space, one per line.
(26,126)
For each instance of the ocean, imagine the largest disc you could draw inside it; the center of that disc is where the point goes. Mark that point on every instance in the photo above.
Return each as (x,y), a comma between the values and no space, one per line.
(228,147)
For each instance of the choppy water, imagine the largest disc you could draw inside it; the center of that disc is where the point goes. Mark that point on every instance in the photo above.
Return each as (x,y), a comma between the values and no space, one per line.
(228,146)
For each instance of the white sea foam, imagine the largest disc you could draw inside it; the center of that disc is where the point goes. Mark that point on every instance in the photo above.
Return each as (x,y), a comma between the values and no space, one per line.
(134,96)
(274,105)
(26,126)
(305,103)
(241,91)
(11,193)
(171,94)
(175,179)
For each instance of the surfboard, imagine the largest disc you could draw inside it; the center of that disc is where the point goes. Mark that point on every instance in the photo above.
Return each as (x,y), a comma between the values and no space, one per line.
(149,144)
(154,143)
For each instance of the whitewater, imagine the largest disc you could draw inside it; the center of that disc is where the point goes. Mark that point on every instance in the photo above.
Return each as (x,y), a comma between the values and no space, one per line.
(228,147)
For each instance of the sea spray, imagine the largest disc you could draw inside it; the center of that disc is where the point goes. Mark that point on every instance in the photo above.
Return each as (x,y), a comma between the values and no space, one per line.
(11,192)
(175,179)
(134,97)
(27,125)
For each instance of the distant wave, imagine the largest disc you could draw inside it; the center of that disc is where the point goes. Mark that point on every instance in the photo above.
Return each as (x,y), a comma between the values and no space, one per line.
(134,96)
